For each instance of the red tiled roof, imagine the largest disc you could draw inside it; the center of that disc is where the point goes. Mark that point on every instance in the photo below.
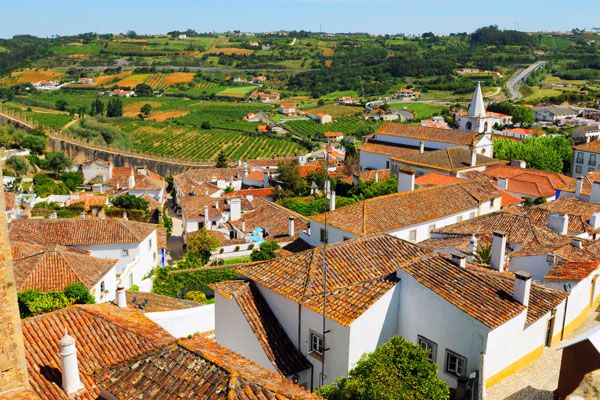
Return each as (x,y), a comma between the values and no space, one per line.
(523,131)
(388,150)
(509,200)
(197,368)
(55,269)
(256,175)
(427,133)
(591,147)
(530,182)
(9,200)
(575,271)
(258,192)
(75,231)
(436,179)
(90,201)
(276,344)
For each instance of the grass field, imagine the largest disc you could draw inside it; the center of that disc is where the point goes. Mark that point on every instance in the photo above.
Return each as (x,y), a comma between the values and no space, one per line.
(559,81)
(336,111)
(52,120)
(237,91)
(189,143)
(336,95)
(421,110)
(353,126)
(78,48)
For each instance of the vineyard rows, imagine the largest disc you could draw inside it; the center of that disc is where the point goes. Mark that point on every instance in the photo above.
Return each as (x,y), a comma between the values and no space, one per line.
(348,126)
(194,144)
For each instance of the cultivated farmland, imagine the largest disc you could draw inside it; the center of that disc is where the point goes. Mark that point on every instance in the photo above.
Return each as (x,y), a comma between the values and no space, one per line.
(348,126)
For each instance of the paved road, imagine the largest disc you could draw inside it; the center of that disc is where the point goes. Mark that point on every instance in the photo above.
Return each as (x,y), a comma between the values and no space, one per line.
(513,83)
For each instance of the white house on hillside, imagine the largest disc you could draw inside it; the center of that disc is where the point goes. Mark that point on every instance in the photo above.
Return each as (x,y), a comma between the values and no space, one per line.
(133,244)
(473,320)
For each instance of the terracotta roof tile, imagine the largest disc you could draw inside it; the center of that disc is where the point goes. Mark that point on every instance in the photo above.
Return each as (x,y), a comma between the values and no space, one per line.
(159,303)
(427,133)
(259,192)
(391,212)
(276,344)
(9,200)
(54,269)
(75,231)
(529,182)
(358,274)
(453,159)
(567,271)
(591,147)
(197,368)
(388,150)
(436,179)
(188,181)
(193,207)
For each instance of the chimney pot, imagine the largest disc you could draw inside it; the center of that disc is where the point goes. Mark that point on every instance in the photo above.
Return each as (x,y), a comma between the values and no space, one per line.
(498,257)
(503,183)
(472,247)
(522,287)
(595,220)
(125,215)
(473,156)
(459,260)
(71,381)
(121,297)
(291,227)
(579,187)
(559,223)
(421,147)
(595,197)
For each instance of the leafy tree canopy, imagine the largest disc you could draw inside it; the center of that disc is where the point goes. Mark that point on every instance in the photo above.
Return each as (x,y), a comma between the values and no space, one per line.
(202,244)
(266,251)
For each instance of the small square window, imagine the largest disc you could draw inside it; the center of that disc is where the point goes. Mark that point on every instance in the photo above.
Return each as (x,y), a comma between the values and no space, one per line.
(412,235)
(316,343)
(428,345)
(102,287)
(592,160)
(578,169)
(150,244)
(124,253)
(580,158)
(455,363)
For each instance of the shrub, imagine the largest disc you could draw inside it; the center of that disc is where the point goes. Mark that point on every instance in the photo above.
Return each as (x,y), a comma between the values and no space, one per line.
(134,288)
(176,284)
(250,246)
(236,248)
(195,295)
(79,294)
(266,251)
(34,302)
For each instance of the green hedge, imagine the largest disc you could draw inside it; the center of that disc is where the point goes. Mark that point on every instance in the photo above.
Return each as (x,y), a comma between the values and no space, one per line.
(35,302)
(177,285)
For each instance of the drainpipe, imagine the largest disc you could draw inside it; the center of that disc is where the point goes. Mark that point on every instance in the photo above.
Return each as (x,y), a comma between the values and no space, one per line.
(562,329)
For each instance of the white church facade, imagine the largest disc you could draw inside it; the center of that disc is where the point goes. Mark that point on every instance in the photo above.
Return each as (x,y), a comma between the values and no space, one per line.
(477,119)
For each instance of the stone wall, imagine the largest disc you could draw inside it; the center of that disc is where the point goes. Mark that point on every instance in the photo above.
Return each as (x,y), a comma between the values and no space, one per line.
(81,153)
(13,370)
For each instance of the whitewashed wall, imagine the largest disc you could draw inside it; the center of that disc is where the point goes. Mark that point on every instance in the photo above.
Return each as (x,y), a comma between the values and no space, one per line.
(373,160)
(110,286)
(182,323)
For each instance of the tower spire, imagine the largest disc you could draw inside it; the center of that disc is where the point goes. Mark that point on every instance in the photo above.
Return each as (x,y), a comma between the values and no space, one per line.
(477,108)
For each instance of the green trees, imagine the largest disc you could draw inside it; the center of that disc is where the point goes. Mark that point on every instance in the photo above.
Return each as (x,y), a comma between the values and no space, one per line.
(523,115)
(72,180)
(130,202)
(202,244)
(61,105)
(266,251)
(18,164)
(547,153)
(395,370)
(221,160)
(44,186)
(34,302)
(143,90)
(146,109)
(79,294)
(114,108)
(97,107)
(291,180)
(57,161)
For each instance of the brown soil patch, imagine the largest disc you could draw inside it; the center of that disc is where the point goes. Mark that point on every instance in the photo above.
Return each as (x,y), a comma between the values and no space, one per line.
(327,52)
(162,116)
(29,75)
(133,80)
(133,109)
(229,50)
(179,77)
(103,80)
(336,111)
(328,63)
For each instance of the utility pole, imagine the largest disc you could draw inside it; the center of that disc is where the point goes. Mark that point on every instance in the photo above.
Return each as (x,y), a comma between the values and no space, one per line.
(324,271)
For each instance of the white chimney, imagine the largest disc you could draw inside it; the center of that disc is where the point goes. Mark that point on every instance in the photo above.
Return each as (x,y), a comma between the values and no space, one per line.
(243,226)
(459,260)
(579,187)
(376,176)
(71,382)
(577,243)
(595,220)
(121,297)
(518,163)
(53,216)
(131,181)
(421,147)
(406,180)
(206,192)
(327,187)
(498,257)
(82,215)
(472,248)
(332,201)
(473,156)
(503,183)
(559,223)
(235,208)
(266,179)
(124,215)
(206,220)
(522,287)
(245,170)
(291,228)
(239,163)
(217,204)
(595,197)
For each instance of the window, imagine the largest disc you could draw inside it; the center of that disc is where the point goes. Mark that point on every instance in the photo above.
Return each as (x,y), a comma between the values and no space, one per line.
(316,343)
(592,160)
(124,253)
(492,202)
(346,238)
(150,244)
(428,345)
(412,235)
(455,363)
(579,158)
(459,218)
(102,287)
(323,235)
(578,169)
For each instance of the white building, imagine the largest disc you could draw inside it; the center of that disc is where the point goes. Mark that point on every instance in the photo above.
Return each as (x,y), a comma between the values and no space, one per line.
(133,244)
(207,181)
(472,320)
(586,158)
(477,119)
(394,139)
(96,170)
(410,214)
(586,133)
(554,113)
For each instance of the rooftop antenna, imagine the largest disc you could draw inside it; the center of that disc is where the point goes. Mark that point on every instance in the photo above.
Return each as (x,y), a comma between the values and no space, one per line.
(324,272)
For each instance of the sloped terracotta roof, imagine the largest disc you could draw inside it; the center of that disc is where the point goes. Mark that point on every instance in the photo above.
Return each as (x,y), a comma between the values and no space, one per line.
(388,150)
(159,303)
(465,290)
(104,334)
(452,159)
(571,271)
(276,344)
(193,206)
(90,201)
(359,272)
(573,207)
(54,269)
(529,182)
(19,394)
(75,231)
(197,368)
(436,179)
(394,211)
(258,192)
(21,249)
(148,182)
(427,133)
(586,188)
(542,299)
(189,180)
(591,147)
(9,200)
(509,200)
(153,204)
